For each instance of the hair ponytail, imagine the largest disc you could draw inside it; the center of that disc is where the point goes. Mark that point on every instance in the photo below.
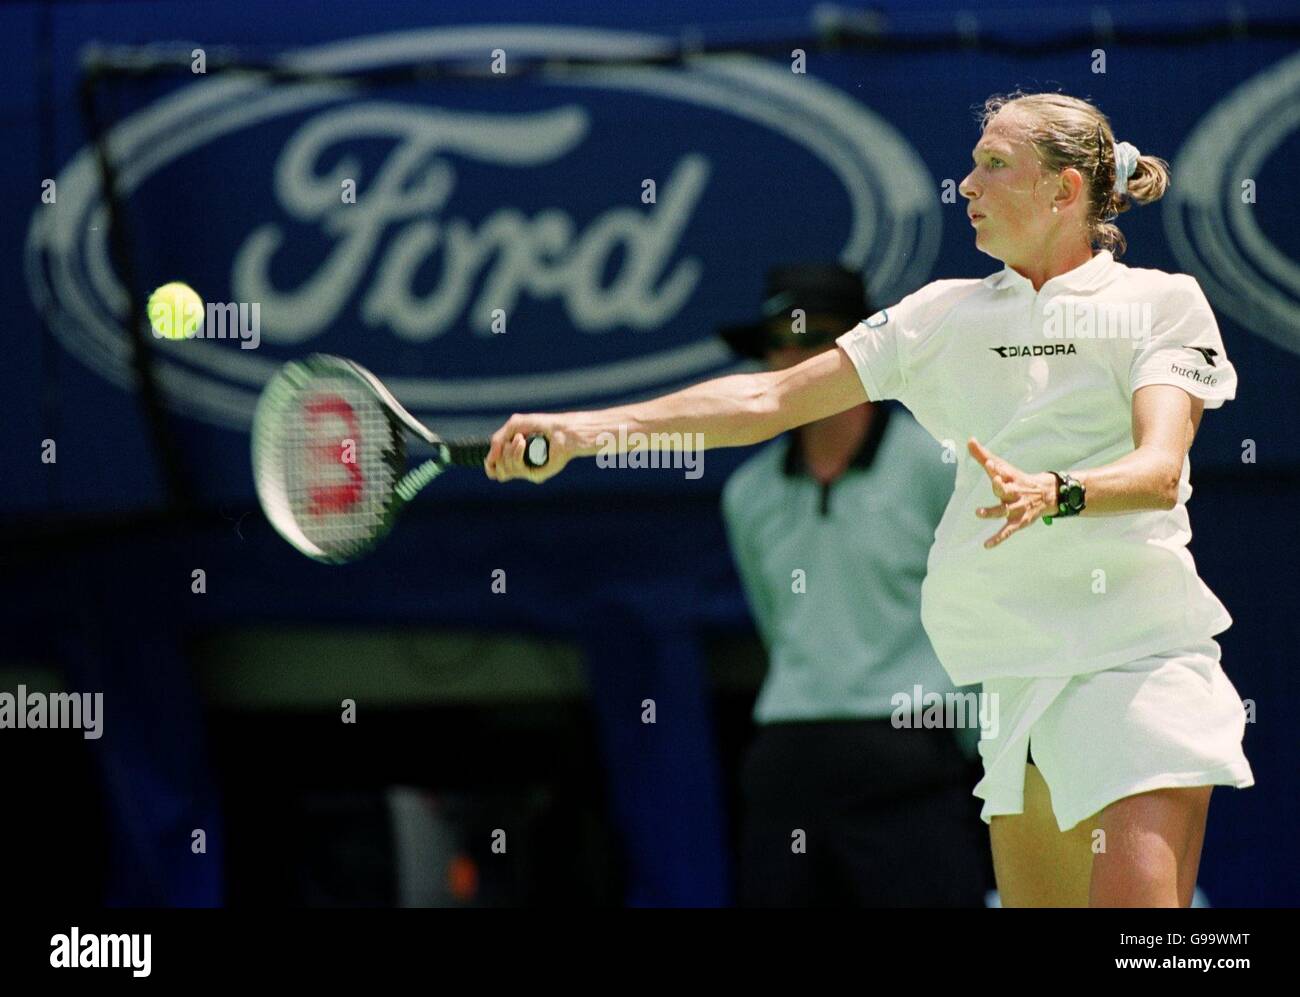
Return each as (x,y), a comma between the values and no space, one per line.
(1069,132)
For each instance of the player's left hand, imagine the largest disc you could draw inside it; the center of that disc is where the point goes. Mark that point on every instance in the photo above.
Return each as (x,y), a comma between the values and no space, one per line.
(1022,498)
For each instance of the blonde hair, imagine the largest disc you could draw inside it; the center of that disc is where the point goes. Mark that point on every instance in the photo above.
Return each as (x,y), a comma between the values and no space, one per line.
(1069,132)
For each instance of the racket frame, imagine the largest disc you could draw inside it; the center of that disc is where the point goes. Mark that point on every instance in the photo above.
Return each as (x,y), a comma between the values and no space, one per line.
(297,376)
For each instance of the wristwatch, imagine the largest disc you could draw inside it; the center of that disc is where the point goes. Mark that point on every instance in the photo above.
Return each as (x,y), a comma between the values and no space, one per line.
(1070,495)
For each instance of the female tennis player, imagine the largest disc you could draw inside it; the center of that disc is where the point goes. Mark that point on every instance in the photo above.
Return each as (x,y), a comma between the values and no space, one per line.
(1078,384)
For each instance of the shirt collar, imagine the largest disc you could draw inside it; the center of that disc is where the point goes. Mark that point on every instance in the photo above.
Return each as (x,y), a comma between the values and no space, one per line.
(866,453)
(1083,276)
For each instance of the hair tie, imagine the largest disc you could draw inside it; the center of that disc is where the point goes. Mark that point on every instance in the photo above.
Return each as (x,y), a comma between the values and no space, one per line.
(1126,159)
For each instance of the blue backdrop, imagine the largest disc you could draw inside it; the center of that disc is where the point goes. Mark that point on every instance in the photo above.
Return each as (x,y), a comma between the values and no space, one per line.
(523,205)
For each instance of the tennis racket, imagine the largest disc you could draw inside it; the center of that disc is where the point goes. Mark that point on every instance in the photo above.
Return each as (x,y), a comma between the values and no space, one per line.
(330,461)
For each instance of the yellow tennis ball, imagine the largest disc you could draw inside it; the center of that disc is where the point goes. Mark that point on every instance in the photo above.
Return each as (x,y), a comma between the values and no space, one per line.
(175,311)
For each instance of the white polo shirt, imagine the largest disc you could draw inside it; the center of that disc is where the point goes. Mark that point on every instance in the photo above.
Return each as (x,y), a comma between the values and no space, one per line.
(1025,373)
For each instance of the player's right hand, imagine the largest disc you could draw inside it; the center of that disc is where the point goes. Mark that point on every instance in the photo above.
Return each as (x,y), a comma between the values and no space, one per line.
(505,460)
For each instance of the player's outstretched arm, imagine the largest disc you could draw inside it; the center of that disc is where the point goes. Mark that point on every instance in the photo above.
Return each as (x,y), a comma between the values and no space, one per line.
(733,411)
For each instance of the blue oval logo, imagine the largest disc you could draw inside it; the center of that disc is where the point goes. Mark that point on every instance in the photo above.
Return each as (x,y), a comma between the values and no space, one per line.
(471,221)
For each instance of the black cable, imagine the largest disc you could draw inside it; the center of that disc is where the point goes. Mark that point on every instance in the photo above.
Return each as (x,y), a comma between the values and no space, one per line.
(180,492)
(834,34)
(51,353)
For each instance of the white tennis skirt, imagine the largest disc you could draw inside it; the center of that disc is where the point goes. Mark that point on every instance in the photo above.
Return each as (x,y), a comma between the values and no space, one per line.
(1164,721)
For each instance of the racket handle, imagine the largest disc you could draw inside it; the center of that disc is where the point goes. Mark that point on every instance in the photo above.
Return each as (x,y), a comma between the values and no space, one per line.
(473,453)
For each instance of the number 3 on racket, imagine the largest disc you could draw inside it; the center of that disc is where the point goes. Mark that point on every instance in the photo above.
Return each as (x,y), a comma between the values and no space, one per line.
(329,456)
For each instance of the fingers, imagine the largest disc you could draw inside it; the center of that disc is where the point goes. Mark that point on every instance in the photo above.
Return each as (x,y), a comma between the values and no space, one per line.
(503,461)
(492,463)
(1008,491)
(1016,518)
(510,460)
(1018,498)
(994,466)
(1020,513)
(987,458)
(984,456)
(516,463)
(1003,533)
(505,458)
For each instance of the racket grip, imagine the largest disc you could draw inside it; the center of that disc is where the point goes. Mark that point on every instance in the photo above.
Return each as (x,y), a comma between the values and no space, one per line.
(472,453)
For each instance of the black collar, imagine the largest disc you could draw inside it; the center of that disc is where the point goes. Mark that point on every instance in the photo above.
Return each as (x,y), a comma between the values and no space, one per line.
(862,459)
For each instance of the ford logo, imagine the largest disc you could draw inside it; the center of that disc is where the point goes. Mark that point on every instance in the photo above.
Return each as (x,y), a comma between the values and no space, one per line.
(486,208)
(1210,212)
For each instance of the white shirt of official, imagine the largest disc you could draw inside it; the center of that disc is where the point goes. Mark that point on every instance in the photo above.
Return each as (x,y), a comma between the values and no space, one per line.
(1046,379)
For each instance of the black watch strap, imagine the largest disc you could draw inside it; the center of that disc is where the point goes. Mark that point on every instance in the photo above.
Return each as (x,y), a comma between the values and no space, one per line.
(1070,497)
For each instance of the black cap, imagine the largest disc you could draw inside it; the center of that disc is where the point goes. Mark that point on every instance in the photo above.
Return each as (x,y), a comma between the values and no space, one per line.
(815,287)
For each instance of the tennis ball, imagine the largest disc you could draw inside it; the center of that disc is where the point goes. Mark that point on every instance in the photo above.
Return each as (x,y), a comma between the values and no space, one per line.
(175,311)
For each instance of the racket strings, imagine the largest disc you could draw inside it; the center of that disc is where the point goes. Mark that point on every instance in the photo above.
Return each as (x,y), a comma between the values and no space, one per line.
(334,456)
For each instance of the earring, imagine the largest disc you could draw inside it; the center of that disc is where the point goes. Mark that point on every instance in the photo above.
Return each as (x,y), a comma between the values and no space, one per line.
(1053,209)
